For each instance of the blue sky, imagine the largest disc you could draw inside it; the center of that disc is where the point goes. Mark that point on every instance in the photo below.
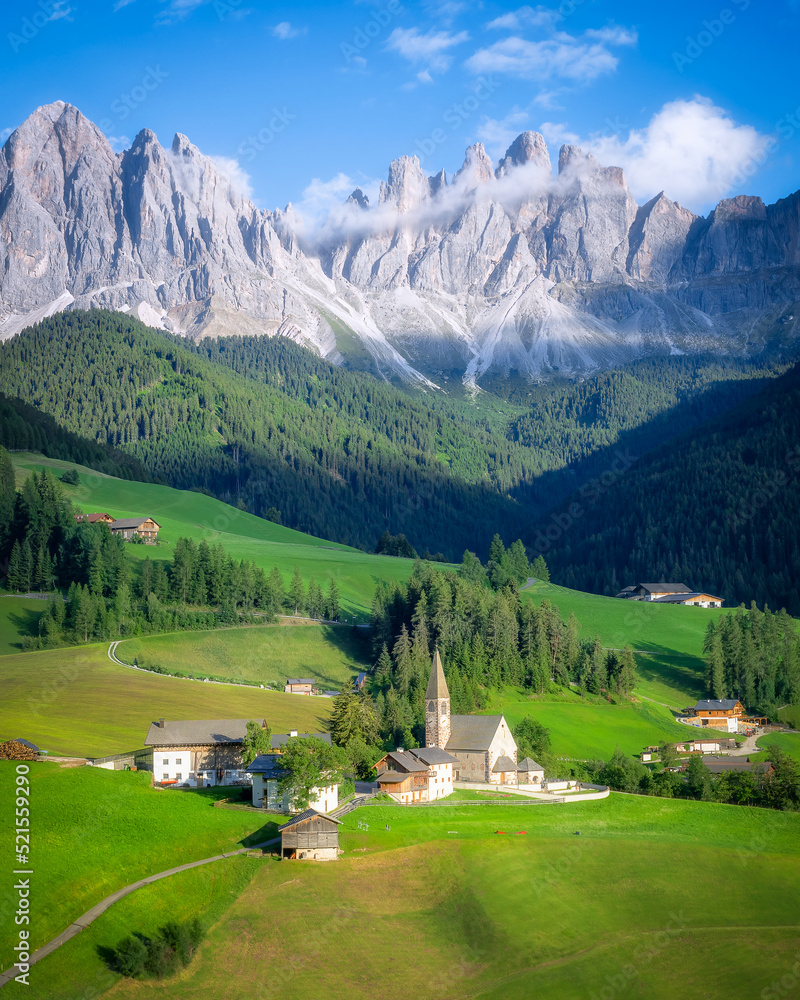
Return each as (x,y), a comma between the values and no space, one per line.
(698,98)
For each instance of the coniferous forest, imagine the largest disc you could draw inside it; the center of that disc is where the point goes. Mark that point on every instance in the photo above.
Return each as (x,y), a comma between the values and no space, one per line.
(268,425)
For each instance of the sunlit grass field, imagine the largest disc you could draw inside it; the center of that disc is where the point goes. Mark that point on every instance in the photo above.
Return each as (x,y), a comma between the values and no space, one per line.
(529,911)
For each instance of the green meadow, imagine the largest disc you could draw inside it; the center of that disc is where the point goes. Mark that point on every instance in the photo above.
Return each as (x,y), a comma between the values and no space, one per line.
(494,901)
(265,654)
(590,728)
(19,616)
(184,514)
(95,831)
(77,702)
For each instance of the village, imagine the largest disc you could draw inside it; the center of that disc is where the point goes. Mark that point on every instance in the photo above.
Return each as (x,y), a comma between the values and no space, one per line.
(472,752)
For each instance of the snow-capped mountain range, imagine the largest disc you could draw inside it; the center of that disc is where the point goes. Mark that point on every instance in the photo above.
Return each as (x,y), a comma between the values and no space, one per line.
(499,268)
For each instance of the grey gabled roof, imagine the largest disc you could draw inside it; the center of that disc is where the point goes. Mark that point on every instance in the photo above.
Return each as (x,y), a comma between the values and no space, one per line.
(266,763)
(392,777)
(132,522)
(472,732)
(203,732)
(503,763)
(665,588)
(437,685)
(433,755)
(407,760)
(529,764)
(299,680)
(718,706)
(307,814)
(278,740)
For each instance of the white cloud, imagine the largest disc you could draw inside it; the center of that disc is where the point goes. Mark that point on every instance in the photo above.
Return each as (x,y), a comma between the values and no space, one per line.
(235,174)
(5,133)
(431,49)
(576,59)
(119,142)
(693,150)
(533,17)
(122,3)
(58,10)
(285,30)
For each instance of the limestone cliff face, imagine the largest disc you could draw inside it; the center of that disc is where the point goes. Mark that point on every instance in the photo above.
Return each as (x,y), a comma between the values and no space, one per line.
(500,268)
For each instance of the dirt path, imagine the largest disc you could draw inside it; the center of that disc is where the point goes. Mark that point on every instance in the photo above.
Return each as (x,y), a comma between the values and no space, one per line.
(99,908)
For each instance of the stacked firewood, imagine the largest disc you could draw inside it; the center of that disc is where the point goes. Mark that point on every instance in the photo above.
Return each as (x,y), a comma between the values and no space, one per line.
(14,750)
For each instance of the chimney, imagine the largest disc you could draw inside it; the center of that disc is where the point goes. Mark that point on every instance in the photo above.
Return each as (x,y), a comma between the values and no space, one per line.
(293,732)
(399,750)
(160,723)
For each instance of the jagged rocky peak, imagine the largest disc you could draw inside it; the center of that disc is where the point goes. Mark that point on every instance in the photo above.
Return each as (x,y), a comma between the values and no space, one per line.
(407,186)
(743,206)
(438,182)
(359,199)
(528,147)
(574,158)
(477,167)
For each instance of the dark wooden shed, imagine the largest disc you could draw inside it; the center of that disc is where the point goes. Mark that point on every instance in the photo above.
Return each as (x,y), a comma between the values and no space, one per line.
(310,836)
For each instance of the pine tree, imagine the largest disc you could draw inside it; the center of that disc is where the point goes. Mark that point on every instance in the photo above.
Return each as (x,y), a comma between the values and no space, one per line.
(296,595)
(332,609)
(15,574)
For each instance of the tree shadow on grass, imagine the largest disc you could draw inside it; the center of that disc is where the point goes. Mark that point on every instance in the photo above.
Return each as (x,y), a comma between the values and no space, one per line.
(26,622)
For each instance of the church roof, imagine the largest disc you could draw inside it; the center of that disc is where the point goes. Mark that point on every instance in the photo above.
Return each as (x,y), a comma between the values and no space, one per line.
(503,763)
(529,764)
(472,732)
(437,685)
(433,755)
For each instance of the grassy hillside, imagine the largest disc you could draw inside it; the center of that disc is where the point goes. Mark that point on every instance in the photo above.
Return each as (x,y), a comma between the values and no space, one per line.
(19,616)
(77,702)
(97,831)
(541,914)
(592,729)
(330,654)
(193,515)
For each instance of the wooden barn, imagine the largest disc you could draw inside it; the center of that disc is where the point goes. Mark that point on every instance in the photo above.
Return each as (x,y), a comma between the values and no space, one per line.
(132,528)
(310,836)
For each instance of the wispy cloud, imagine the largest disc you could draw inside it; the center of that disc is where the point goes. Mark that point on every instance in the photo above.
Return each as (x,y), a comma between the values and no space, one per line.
(525,17)
(59,9)
(285,30)
(432,49)
(122,3)
(5,133)
(567,57)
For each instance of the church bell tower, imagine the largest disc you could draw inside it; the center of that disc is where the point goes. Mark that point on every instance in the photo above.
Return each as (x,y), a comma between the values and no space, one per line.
(437,706)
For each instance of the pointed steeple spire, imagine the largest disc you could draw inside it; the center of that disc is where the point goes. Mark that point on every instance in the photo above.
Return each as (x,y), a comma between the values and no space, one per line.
(437,685)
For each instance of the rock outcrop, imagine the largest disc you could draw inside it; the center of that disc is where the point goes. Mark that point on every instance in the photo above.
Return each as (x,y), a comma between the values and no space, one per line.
(500,268)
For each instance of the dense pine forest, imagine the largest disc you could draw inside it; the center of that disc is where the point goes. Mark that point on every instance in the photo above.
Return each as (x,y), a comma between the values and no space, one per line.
(265,423)
(44,548)
(718,509)
(673,468)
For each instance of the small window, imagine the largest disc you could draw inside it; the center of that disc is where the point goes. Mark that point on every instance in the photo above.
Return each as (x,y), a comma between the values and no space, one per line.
(165,761)
(178,760)
(178,776)
(165,776)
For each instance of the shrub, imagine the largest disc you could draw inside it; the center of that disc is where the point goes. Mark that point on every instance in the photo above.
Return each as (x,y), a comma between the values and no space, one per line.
(160,956)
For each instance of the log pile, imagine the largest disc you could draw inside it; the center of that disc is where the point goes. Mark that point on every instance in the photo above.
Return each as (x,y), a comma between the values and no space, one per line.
(14,750)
